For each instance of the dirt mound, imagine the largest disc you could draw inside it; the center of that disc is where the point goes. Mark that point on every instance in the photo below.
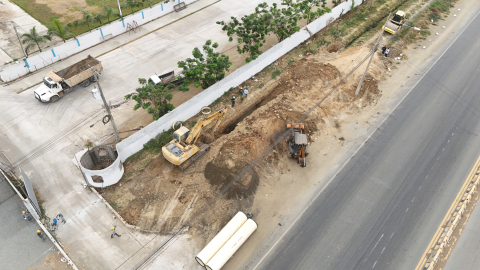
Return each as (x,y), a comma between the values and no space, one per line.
(73,70)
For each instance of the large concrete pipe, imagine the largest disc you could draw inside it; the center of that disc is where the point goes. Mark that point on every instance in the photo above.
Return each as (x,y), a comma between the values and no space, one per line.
(221,238)
(232,245)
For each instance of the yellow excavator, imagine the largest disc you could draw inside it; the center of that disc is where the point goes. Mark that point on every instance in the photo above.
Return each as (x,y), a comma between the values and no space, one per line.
(182,151)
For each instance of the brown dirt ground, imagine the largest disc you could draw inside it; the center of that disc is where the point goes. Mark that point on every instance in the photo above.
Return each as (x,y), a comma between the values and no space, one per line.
(154,195)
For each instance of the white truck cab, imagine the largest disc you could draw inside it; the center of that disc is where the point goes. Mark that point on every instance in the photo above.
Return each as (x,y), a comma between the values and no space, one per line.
(49,90)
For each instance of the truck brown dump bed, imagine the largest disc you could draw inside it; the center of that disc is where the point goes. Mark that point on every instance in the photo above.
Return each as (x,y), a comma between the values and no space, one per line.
(79,71)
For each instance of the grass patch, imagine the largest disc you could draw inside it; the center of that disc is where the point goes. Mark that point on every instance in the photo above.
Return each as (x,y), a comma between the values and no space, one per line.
(275,74)
(44,14)
(155,145)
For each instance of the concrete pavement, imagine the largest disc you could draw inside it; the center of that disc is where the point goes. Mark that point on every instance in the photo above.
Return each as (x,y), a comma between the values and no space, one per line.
(381,210)
(21,247)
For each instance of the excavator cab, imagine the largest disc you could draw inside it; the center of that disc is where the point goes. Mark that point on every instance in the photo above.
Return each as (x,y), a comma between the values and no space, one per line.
(181,134)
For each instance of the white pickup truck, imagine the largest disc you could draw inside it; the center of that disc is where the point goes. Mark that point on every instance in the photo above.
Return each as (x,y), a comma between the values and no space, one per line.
(58,83)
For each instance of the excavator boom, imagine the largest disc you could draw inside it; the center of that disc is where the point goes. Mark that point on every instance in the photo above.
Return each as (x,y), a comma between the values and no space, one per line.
(197,129)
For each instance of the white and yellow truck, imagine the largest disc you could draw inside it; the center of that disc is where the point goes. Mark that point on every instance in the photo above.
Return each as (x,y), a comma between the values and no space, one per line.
(58,83)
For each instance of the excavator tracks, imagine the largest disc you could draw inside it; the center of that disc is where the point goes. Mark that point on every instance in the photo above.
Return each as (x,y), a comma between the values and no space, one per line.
(203,150)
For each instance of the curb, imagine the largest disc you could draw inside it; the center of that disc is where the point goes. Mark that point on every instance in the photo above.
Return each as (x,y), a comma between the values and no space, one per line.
(452,222)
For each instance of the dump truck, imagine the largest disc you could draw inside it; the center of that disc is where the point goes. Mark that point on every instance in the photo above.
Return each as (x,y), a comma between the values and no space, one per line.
(182,151)
(167,78)
(395,24)
(297,143)
(58,83)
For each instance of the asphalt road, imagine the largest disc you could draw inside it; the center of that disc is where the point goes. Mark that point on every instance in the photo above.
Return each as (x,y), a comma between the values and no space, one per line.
(382,209)
(20,246)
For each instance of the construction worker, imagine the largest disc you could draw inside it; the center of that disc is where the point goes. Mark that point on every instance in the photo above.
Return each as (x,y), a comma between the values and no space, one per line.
(60,217)
(26,215)
(233,101)
(113,232)
(245,91)
(240,93)
(39,233)
(54,224)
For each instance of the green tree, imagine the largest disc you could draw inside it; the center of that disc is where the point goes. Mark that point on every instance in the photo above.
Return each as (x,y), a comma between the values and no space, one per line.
(250,31)
(154,99)
(109,12)
(99,17)
(87,19)
(284,22)
(60,31)
(309,9)
(131,4)
(205,68)
(33,38)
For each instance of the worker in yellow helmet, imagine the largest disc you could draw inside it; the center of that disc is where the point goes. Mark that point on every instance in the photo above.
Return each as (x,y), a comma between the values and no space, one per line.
(26,215)
(39,233)
(113,232)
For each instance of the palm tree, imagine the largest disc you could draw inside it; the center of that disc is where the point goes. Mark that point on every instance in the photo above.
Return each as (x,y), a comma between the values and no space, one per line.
(87,19)
(33,38)
(109,12)
(131,4)
(98,17)
(60,31)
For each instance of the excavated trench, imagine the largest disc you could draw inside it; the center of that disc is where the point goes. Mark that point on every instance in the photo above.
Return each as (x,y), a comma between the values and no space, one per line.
(230,125)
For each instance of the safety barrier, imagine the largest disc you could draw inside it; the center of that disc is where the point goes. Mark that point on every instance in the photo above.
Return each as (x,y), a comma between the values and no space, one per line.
(34,62)
(452,223)
(135,142)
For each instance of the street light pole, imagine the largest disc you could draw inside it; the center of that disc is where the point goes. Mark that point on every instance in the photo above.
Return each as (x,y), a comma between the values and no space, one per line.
(14,28)
(109,113)
(119,8)
(374,50)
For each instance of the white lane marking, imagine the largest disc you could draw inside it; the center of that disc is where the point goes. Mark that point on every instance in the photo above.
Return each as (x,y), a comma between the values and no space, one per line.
(382,250)
(413,199)
(438,158)
(443,149)
(374,264)
(391,235)
(448,141)
(358,149)
(419,187)
(373,248)
(453,133)
(406,210)
(456,128)
(426,177)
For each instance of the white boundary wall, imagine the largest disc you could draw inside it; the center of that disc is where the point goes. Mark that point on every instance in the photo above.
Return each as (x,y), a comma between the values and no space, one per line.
(135,142)
(85,41)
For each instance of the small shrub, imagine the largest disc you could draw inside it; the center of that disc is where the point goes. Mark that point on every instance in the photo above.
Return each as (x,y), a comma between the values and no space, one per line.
(275,74)
(433,17)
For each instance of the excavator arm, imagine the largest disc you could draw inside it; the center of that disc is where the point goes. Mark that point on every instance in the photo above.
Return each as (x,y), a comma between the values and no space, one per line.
(197,129)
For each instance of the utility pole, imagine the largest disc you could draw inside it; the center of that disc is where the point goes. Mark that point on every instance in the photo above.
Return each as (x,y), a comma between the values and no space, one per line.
(375,48)
(14,28)
(115,131)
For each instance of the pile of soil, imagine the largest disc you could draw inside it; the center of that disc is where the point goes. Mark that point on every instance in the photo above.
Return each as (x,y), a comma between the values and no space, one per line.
(74,69)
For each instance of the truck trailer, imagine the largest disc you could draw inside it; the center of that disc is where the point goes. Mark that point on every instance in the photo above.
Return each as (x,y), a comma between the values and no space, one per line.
(58,83)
